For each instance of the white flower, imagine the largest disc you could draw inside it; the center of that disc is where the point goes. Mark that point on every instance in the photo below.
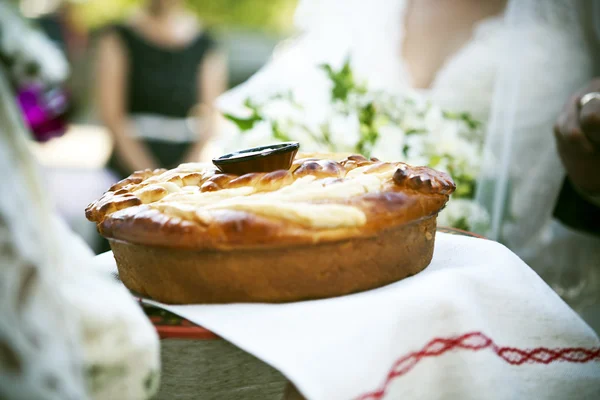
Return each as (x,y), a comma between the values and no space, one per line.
(434,119)
(412,121)
(409,129)
(390,143)
(446,138)
(459,211)
(471,157)
(344,131)
(443,165)
(281,109)
(299,134)
(416,154)
(260,135)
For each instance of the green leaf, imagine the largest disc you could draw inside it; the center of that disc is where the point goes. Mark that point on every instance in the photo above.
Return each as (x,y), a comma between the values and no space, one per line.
(415,131)
(248,103)
(366,114)
(326,137)
(465,189)
(328,69)
(435,159)
(368,132)
(244,124)
(461,223)
(471,122)
(279,134)
(343,80)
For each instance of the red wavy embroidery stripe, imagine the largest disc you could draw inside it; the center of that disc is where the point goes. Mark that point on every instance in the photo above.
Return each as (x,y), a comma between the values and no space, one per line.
(476,341)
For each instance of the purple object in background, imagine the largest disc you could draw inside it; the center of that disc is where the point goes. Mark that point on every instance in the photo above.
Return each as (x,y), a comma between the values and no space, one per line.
(44,110)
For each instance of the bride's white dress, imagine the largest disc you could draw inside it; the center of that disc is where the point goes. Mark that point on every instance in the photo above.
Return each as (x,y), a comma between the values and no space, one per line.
(548,46)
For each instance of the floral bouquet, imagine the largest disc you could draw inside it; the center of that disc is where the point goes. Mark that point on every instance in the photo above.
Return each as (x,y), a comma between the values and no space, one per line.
(377,124)
(36,69)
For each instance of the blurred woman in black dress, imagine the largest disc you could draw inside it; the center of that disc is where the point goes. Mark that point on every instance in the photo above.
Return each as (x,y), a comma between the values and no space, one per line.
(157,77)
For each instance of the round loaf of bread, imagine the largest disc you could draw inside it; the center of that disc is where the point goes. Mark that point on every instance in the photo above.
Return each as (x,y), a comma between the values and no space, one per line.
(330,225)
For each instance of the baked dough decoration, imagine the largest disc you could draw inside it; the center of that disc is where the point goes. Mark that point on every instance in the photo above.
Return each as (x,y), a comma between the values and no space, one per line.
(322,197)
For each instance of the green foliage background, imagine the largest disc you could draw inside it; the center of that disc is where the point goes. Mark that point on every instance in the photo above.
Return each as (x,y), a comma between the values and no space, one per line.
(265,15)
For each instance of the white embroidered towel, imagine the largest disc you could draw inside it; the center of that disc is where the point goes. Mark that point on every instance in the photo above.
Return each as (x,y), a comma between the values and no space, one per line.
(476,324)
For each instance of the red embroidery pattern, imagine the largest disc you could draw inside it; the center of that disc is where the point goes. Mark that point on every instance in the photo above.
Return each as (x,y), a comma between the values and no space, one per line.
(476,341)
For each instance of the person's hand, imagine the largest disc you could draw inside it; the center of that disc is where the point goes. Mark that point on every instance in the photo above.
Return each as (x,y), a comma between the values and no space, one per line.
(577,133)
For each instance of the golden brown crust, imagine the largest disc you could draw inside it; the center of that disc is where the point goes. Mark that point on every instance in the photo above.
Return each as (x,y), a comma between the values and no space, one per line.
(276,275)
(160,207)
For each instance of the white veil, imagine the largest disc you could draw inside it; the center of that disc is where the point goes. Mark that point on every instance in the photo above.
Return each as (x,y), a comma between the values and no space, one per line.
(525,183)
(521,179)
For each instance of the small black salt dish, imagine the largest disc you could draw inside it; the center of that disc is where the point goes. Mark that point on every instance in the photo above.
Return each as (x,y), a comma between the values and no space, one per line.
(258,159)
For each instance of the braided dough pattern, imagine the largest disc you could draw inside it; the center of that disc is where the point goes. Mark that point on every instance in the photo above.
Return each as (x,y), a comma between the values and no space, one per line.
(322,197)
